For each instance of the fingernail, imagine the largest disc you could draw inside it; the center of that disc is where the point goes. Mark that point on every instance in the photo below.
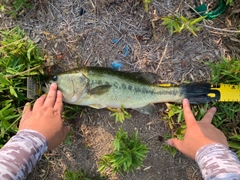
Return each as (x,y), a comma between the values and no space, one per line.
(185,100)
(54,84)
(169,142)
(214,109)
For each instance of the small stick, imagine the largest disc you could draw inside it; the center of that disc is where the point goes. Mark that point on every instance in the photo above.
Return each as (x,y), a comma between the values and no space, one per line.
(23,72)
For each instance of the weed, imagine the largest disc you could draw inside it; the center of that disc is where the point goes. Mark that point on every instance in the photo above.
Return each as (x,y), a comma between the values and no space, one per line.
(127,155)
(71,111)
(175,110)
(174,113)
(168,148)
(229,2)
(146,4)
(19,59)
(75,175)
(234,143)
(226,71)
(178,23)
(2,8)
(80,175)
(120,114)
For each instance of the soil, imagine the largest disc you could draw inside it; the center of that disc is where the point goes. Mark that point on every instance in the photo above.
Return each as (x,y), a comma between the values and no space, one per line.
(75,33)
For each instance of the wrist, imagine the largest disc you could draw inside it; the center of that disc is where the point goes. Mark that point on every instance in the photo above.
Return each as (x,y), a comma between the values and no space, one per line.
(35,136)
(208,149)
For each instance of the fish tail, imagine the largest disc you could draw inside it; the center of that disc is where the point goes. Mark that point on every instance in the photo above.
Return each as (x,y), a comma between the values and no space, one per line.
(199,93)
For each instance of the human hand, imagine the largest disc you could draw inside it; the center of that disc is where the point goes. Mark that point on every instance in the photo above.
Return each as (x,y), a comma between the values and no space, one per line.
(198,133)
(45,117)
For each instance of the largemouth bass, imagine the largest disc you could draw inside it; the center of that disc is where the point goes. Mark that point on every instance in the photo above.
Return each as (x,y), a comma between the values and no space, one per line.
(100,87)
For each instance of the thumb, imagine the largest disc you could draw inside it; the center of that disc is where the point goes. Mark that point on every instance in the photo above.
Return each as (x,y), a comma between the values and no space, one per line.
(26,111)
(176,143)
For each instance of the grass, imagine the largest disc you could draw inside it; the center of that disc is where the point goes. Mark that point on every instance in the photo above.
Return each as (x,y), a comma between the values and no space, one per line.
(227,115)
(128,154)
(79,175)
(146,4)
(13,7)
(19,58)
(176,24)
(229,2)
(120,114)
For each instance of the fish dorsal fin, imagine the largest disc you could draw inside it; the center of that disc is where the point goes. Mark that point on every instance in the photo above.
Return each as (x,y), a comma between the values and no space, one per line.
(148,109)
(147,77)
(99,90)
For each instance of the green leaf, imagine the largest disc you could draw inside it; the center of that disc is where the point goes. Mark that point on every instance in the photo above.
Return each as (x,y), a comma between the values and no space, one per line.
(197,20)
(4,81)
(12,91)
(235,138)
(14,68)
(234,145)
(130,154)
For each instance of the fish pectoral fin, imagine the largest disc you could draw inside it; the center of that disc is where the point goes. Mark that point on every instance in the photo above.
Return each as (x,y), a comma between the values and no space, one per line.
(148,109)
(97,106)
(99,90)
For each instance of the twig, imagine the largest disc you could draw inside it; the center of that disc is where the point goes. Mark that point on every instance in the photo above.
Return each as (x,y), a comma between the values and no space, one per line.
(218,29)
(94,7)
(22,72)
(60,14)
(163,54)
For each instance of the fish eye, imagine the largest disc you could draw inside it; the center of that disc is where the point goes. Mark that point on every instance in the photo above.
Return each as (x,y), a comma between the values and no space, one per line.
(54,78)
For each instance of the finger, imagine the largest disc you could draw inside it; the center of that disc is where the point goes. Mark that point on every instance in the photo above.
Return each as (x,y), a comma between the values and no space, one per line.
(176,143)
(188,115)
(26,113)
(39,102)
(209,115)
(26,109)
(52,94)
(58,104)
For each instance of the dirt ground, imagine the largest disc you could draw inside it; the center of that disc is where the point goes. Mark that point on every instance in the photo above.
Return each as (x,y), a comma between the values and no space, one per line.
(75,33)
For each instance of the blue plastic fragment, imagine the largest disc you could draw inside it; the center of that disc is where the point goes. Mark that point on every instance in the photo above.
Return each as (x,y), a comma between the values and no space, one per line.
(115,40)
(116,65)
(126,51)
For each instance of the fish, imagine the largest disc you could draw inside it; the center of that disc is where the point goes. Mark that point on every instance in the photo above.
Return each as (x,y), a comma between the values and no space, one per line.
(101,87)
